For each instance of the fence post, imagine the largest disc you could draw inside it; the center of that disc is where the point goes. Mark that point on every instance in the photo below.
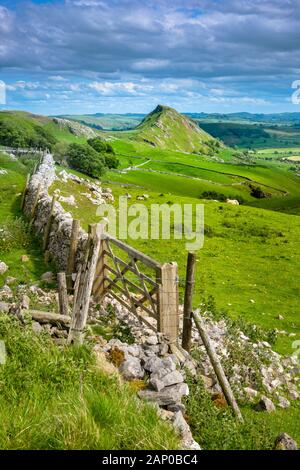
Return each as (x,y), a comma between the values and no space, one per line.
(49,224)
(98,287)
(25,192)
(62,294)
(168,318)
(217,366)
(72,252)
(188,302)
(85,285)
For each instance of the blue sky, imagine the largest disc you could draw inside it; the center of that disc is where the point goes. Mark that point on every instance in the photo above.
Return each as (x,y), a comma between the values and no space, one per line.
(87,56)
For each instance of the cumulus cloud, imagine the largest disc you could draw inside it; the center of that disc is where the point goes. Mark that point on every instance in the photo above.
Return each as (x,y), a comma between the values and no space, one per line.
(119,44)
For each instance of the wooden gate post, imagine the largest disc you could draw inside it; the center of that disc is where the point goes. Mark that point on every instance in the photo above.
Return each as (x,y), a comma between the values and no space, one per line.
(25,192)
(98,287)
(49,224)
(35,202)
(85,285)
(188,302)
(72,252)
(62,294)
(168,317)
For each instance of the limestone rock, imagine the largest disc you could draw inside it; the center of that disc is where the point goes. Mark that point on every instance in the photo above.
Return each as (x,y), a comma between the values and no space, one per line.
(152,340)
(25,302)
(24,258)
(132,369)
(159,380)
(251,394)
(3,267)
(283,402)
(166,396)
(285,442)
(6,292)
(265,404)
(184,431)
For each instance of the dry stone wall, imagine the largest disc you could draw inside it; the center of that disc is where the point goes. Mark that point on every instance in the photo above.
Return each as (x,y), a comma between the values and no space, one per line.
(61,228)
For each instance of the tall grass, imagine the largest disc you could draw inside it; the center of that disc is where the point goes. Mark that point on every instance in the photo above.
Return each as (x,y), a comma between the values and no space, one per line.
(55,398)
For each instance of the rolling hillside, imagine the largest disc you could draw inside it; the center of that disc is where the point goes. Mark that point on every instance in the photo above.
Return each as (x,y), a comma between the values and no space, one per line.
(165,128)
(22,129)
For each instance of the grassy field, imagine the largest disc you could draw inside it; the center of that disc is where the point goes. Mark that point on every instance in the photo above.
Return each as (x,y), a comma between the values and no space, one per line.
(249,266)
(57,398)
(248,254)
(15,239)
(190,175)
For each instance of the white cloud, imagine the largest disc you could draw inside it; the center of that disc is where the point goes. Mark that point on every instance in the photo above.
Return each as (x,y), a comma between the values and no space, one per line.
(119,88)
(57,78)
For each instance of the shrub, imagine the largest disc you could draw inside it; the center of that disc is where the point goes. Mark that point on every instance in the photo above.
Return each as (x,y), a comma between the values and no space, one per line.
(22,133)
(84,158)
(111,161)
(213,195)
(216,428)
(100,145)
(257,192)
(60,152)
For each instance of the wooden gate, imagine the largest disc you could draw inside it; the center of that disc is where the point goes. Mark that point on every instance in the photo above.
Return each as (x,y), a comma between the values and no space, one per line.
(142,285)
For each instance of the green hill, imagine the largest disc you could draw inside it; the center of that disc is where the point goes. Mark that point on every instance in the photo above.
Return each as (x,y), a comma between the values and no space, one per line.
(165,128)
(22,129)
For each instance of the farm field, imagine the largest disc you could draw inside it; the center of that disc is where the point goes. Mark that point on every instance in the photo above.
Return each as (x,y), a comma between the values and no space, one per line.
(245,249)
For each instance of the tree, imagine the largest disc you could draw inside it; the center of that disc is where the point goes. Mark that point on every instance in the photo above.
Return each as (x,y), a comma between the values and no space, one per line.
(257,192)
(61,151)
(84,158)
(111,161)
(100,145)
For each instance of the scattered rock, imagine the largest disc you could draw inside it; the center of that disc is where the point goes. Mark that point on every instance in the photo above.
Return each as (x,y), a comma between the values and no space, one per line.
(6,292)
(265,404)
(24,258)
(283,402)
(152,340)
(153,364)
(251,394)
(280,317)
(293,395)
(285,442)
(132,369)
(70,200)
(11,280)
(25,302)
(174,407)
(184,431)
(3,267)
(158,381)
(166,396)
